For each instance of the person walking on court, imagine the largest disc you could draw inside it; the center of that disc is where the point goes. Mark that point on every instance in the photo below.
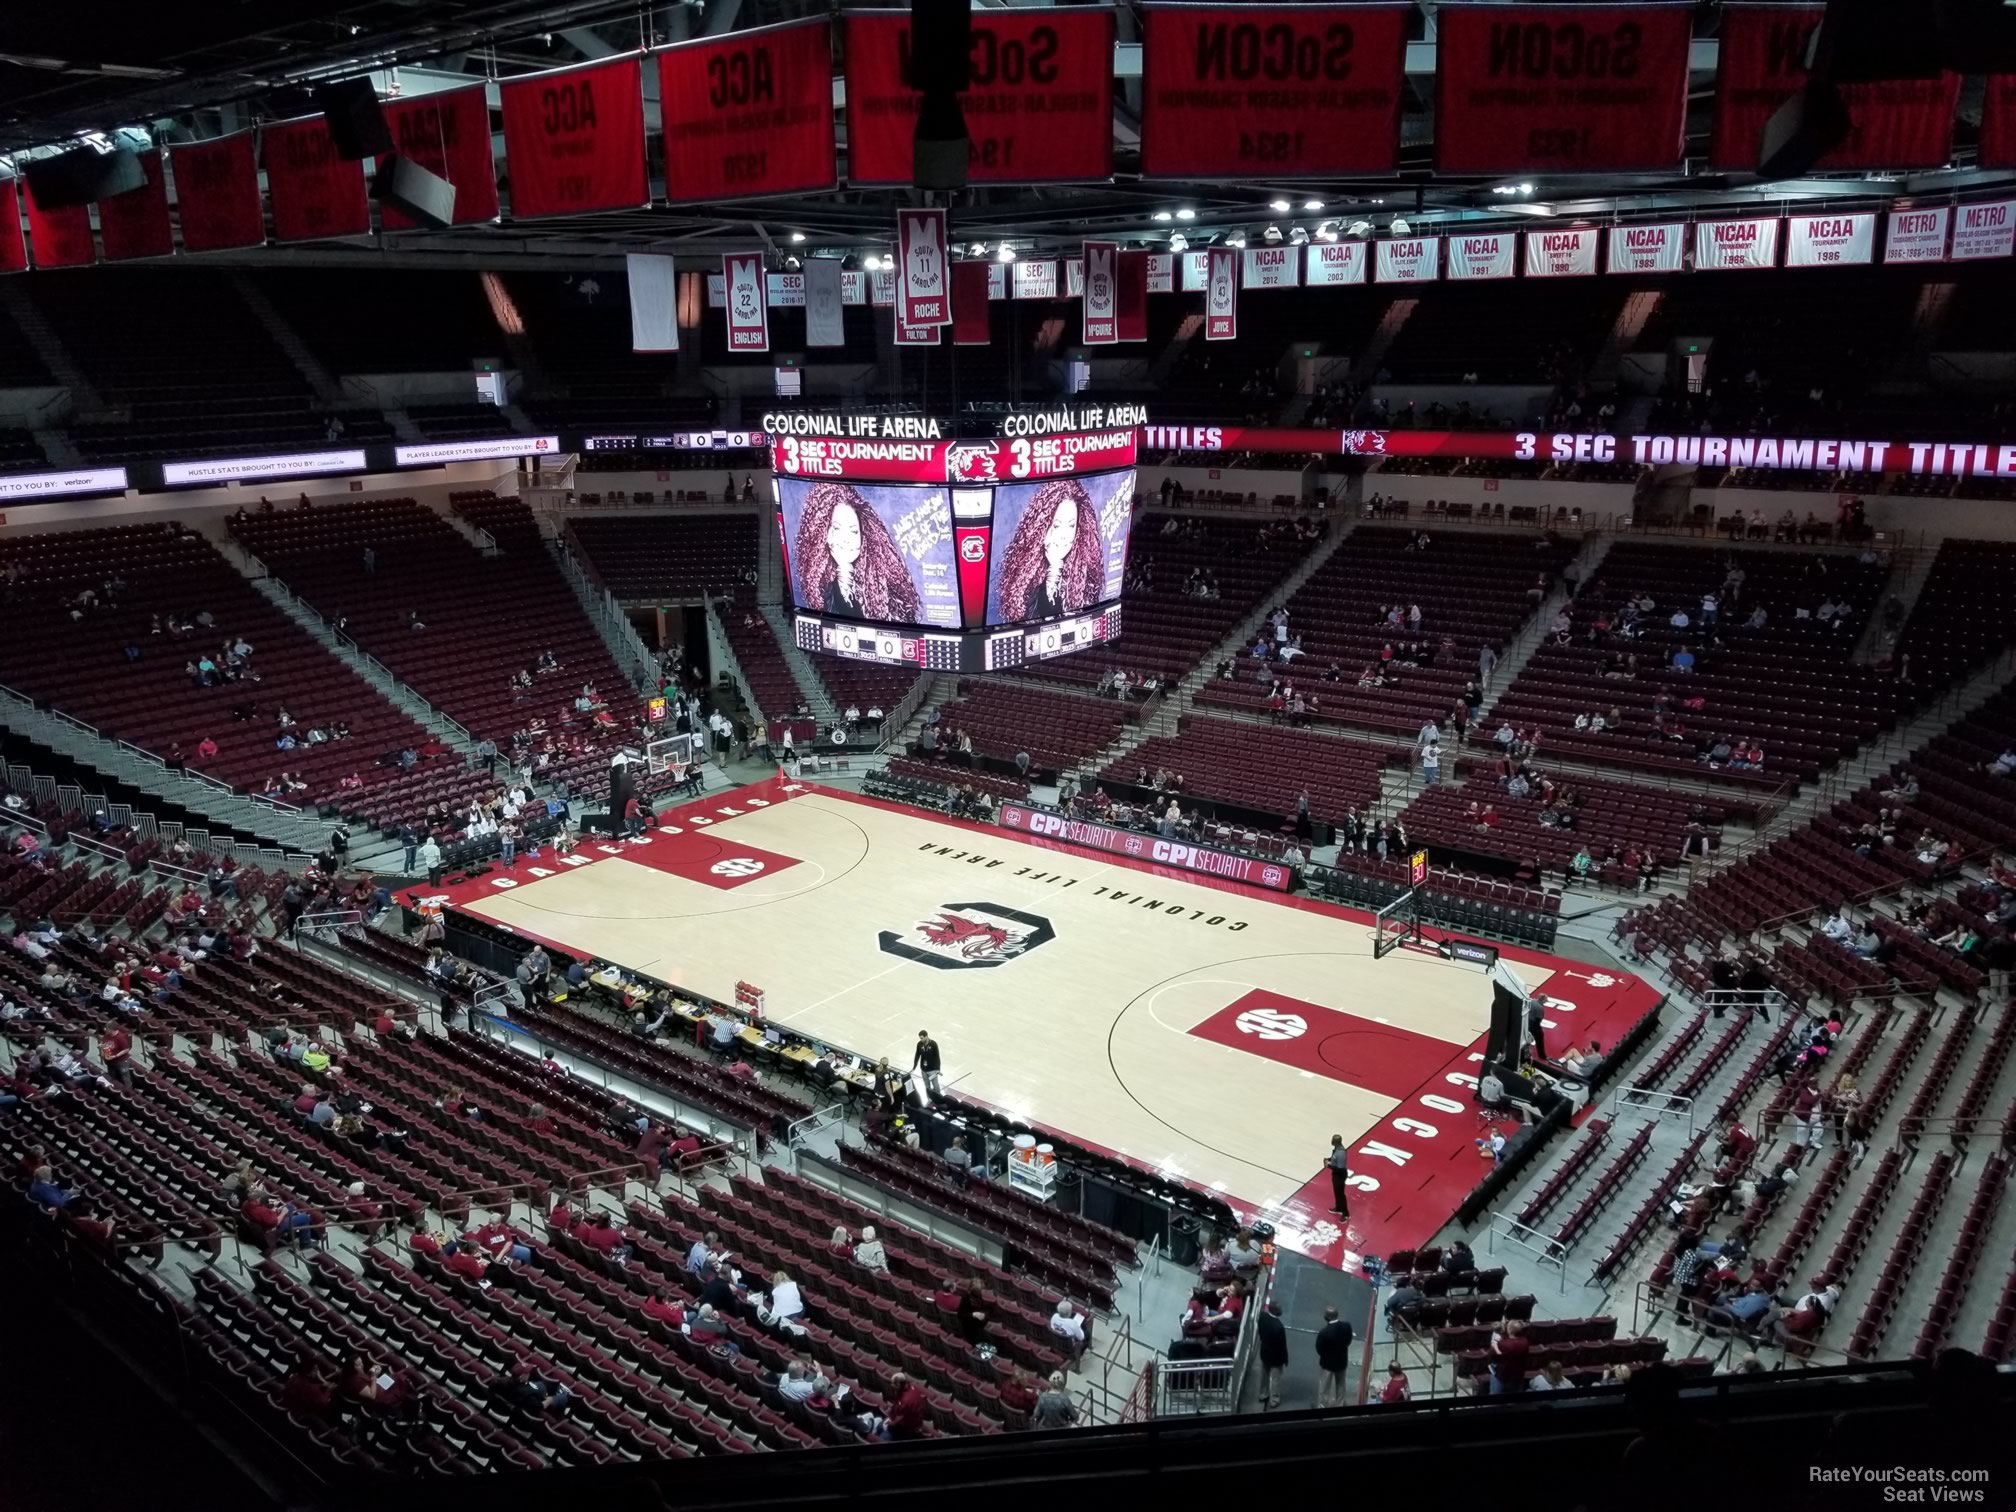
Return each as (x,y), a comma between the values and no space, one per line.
(1340,1176)
(1333,1359)
(926,1060)
(1273,1354)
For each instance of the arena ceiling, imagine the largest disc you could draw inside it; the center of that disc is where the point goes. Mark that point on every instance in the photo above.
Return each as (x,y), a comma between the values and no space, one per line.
(182,72)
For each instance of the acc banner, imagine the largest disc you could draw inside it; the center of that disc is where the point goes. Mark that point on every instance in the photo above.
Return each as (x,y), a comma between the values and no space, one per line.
(217,194)
(1282,91)
(970,320)
(59,237)
(1130,308)
(1830,241)
(1894,123)
(748,301)
(1735,244)
(1033,280)
(1648,249)
(1270,267)
(448,134)
(1333,263)
(1560,88)
(654,302)
(923,282)
(315,193)
(824,297)
(1561,254)
(574,139)
(1100,318)
(13,250)
(1040,106)
(1410,259)
(1221,294)
(135,224)
(1983,231)
(1486,256)
(1915,236)
(749,114)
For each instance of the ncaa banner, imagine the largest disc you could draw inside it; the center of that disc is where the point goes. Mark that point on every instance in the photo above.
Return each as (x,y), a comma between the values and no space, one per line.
(748,301)
(923,276)
(1196,272)
(1130,317)
(136,224)
(825,296)
(1564,88)
(13,250)
(60,237)
(1074,278)
(749,114)
(972,318)
(1410,259)
(654,302)
(217,194)
(1487,256)
(1916,236)
(1278,91)
(448,134)
(574,139)
(1729,244)
(1033,280)
(1161,272)
(1269,267)
(1648,249)
(1562,254)
(1334,263)
(315,193)
(1100,318)
(1983,231)
(916,335)
(1830,241)
(1221,294)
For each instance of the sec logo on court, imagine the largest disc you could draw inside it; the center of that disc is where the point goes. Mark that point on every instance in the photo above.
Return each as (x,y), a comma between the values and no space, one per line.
(1271,1024)
(737,866)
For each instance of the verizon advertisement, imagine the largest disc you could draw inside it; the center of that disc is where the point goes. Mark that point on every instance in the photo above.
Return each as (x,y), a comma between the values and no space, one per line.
(244,469)
(749,114)
(574,139)
(1117,842)
(52,485)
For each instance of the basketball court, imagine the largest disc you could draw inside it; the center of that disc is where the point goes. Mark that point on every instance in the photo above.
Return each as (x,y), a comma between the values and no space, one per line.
(1205,1029)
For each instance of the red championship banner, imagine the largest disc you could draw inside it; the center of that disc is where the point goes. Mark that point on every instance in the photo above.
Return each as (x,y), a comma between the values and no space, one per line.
(1894,123)
(136,224)
(1040,107)
(1279,91)
(1221,294)
(60,237)
(748,301)
(749,114)
(1130,298)
(970,319)
(1101,310)
(923,270)
(217,194)
(13,250)
(574,140)
(1560,88)
(315,193)
(448,134)
(1997,145)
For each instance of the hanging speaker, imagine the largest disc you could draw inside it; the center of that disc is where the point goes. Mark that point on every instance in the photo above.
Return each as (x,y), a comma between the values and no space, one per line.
(405,185)
(357,122)
(84,175)
(1803,130)
(941,42)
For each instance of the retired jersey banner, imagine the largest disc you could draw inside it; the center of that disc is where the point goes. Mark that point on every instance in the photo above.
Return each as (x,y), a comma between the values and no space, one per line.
(59,237)
(448,134)
(923,270)
(1726,244)
(136,224)
(1562,254)
(1894,123)
(1033,280)
(654,302)
(1983,231)
(1560,88)
(1658,248)
(315,193)
(1488,255)
(574,139)
(972,323)
(1333,263)
(748,301)
(1996,146)
(749,114)
(916,335)
(1275,91)
(1916,236)
(1130,307)
(1830,241)
(217,194)
(13,250)
(1409,259)
(1221,294)
(825,295)
(1161,272)
(1270,267)
(1100,318)
(1040,107)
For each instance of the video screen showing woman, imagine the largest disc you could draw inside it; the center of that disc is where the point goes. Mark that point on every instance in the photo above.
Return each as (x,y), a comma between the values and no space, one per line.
(1067,546)
(860,551)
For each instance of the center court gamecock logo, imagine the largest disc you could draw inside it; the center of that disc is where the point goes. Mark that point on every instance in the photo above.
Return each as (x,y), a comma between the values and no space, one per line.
(969,462)
(1362,443)
(961,936)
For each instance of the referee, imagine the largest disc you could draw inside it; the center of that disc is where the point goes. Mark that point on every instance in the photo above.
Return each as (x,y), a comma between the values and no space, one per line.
(1340,1176)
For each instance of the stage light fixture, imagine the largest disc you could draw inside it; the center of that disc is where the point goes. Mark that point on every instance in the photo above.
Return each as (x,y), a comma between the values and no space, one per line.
(1400,226)
(1298,236)
(1006,254)
(1186,214)
(1280,207)
(797,238)
(1272,234)
(1178,242)
(1163,216)
(1312,206)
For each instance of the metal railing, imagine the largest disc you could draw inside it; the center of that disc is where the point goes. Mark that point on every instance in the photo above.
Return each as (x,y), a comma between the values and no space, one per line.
(814,1122)
(1189,1388)
(906,706)
(1653,1104)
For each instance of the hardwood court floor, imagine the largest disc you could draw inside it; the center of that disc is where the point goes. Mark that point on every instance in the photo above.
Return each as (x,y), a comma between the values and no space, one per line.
(1208,1030)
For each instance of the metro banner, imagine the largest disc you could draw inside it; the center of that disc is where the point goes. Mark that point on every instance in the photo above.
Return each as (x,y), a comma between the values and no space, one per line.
(574,139)
(749,114)
(1118,842)
(448,134)
(1005,459)
(1278,91)
(1560,88)
(315,193)
(1040,109)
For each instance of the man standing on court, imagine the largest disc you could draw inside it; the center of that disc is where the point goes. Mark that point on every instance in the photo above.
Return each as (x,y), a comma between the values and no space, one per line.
(926,1060)
(1340,1176)
(1333,1359)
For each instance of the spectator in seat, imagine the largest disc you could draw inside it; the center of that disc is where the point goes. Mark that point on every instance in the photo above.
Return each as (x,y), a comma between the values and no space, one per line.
(1067,1324)
(1551,1378)
(907,1408)
(531,1392)
(1019,1392)
(1244,1254)
(600,1234)
(305,1393)
(957,1156)
(706,1250)
(1810,1312)
(973,1309)
(869,1254)
(1395,1389)
(785,1302)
